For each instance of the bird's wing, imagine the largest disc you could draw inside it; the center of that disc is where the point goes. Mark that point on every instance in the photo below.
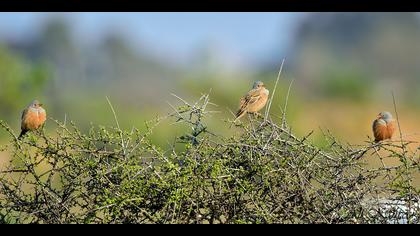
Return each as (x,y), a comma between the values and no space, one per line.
(250,98)
(391,128)
(22,122)
(24,112)
(379,129)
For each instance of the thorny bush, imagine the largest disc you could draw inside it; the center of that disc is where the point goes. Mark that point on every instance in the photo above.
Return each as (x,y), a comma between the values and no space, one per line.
(264,175)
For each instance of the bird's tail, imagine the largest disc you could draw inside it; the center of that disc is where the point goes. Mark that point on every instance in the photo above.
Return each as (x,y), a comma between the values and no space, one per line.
(239,114)
(22,133)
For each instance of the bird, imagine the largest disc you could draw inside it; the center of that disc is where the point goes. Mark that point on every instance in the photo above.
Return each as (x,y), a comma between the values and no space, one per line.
(253,101)
(33,117)
(383,127)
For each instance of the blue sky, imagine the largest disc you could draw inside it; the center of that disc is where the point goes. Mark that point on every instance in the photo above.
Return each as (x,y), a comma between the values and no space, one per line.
(249,36)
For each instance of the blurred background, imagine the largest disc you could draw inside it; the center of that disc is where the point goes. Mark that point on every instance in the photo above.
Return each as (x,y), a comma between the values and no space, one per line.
(344,67)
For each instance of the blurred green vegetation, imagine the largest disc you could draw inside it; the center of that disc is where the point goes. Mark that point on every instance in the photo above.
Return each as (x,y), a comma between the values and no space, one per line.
(344,66)
(350,85)
(20,83)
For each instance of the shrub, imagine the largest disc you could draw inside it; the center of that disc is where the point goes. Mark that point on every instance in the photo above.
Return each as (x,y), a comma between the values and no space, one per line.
(264,175)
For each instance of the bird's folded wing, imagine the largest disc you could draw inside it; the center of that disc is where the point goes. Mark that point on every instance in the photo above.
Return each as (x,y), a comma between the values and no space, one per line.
(391,128)
(379,130)
(251,97)
(24,113)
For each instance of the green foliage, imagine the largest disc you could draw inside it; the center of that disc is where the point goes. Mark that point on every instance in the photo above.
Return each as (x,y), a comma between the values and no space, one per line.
(346,85)
(264,175)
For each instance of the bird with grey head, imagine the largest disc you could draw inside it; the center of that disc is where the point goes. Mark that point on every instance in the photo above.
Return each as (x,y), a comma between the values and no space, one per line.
(383,126)
(254,100)
(33,117)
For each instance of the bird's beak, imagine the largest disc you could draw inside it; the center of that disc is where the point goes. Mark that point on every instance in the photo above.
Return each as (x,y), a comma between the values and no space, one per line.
(378,117)
(41,104)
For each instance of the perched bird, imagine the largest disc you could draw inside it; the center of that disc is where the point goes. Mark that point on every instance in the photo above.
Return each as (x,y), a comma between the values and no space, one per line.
(254,100)
(383,127)
(33,117)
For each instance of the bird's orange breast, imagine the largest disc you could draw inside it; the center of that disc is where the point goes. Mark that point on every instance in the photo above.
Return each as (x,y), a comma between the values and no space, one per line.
(34,119)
